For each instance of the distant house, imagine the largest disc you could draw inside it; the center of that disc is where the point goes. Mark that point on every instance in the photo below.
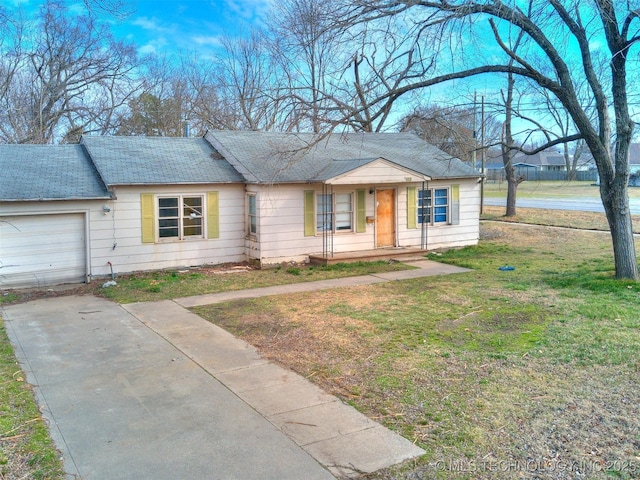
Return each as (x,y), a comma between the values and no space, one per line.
(544,161)
(544,165)
(121,204)
(634,158)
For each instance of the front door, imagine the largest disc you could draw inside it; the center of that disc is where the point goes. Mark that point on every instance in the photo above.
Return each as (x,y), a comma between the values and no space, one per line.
(385,218)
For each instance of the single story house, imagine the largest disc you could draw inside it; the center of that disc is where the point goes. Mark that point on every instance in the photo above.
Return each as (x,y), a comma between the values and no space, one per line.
(111,205)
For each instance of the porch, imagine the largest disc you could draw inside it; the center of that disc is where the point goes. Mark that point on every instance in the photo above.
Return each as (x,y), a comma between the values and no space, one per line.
(386,253)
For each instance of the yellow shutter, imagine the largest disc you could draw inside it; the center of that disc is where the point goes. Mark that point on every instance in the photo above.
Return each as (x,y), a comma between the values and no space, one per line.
(412,205)
(361,210)
(213,215)
(147,208)
(309,213)
(455,204)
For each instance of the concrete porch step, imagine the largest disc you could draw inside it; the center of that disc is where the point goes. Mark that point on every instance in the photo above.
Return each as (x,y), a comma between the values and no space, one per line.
(390,253)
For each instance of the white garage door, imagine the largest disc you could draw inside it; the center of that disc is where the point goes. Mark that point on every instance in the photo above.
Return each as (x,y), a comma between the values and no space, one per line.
(39,250)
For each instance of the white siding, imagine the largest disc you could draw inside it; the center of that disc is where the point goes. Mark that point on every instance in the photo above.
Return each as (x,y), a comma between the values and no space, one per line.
(281,225)
(281,222)
(117,236)
(467,232)
(377,172)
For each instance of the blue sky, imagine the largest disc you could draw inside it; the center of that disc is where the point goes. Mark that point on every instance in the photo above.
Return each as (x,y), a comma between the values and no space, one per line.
(165,26)
(158,26)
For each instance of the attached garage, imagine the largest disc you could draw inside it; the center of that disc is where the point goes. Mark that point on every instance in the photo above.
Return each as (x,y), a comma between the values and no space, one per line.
(39,250)
(46,194)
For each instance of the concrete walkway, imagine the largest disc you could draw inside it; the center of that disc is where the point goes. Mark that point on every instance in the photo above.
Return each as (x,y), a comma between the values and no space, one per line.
(424,268)
(151,390)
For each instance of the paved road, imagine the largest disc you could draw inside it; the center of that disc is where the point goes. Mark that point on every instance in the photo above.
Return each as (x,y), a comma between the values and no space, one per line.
(584,204)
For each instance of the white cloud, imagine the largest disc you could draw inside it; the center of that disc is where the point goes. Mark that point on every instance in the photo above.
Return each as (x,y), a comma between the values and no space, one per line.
(150,24)
(207,40)
(157,45)
(248,9)
(148,49)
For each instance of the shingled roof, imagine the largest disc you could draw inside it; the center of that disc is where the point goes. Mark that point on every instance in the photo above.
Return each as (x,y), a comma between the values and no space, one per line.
(84,171)
(48,172)
(266,157)
(158,160)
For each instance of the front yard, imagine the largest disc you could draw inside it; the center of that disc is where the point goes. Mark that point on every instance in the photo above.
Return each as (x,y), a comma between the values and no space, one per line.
(527,373)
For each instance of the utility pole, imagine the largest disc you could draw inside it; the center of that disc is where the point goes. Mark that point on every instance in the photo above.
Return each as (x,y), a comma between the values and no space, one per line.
(475,136)
(482,153)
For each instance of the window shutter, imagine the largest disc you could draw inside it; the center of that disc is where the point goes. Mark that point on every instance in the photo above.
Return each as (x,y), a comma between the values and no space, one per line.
(455,204)
(361,211)
(213,215)
(412,205)
(309,213)
(147,209)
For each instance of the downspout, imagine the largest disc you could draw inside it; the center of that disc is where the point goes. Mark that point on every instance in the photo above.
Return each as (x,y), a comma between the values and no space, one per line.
(113,277)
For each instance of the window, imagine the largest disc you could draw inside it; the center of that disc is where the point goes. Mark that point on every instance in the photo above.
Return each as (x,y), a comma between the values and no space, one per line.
(180,217)
(344,212)
(433,205)
(339,205)
(324,213)
(252,215)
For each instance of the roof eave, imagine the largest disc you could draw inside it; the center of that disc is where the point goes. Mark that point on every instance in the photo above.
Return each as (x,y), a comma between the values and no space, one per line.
(153,184)
(54,199)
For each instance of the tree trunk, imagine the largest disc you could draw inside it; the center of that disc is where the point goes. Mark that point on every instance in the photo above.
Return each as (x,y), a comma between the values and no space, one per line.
(512,188)
(616,206)
(571,171)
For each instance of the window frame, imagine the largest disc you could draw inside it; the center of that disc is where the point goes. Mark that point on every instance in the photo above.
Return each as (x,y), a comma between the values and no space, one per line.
(252,232)
(182,220)
(330,216)
(426,213)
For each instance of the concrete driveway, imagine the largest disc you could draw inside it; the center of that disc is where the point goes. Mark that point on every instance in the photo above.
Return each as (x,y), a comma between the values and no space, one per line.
(153,391)
(123,403)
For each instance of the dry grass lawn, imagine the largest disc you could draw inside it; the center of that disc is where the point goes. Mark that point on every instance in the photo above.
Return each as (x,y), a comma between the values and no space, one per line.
(565,218)
(533,373)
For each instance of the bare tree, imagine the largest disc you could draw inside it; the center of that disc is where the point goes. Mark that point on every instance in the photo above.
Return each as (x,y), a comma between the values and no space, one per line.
(249,85)
(544,60)
(508,149)
(163,108)
(450,129)
(332,76)
(453,129)
(116,8)
(303,44)
(206,110)
(11,45)
(69,77)
(381,66)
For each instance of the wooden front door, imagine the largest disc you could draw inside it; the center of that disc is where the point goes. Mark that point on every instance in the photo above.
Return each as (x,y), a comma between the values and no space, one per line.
(385,218)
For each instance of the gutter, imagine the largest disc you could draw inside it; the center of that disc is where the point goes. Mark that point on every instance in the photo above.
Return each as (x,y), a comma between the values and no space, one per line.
(53,199)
